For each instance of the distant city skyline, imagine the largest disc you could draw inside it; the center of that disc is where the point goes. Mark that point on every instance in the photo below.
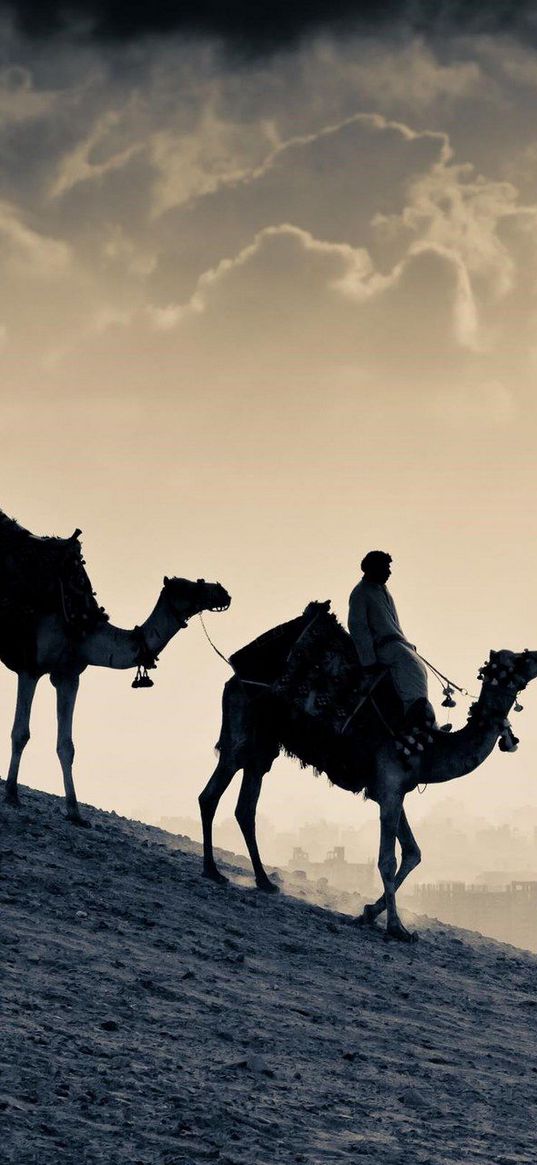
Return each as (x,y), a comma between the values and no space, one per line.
(474,874)
(456,846)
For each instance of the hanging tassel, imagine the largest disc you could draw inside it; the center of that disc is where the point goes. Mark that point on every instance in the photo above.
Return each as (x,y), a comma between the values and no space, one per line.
(517,706)
(448,701)
(146,660)
(508,742)
(446,728)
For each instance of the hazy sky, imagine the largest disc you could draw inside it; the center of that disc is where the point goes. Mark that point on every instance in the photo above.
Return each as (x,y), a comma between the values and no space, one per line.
(266,302)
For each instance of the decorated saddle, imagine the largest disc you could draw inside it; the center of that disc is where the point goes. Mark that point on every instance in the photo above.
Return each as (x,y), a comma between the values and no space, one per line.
(42,576)
(328,717)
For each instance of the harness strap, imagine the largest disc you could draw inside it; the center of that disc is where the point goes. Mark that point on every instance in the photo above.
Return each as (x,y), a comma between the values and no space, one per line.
(367,696)
(302,634)
(383,719)
(390,639)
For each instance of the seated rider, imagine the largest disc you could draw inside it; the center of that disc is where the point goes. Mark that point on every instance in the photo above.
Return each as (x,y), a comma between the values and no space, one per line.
(381,644)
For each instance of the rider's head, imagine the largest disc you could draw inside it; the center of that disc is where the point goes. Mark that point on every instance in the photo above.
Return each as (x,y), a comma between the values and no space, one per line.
(377,566)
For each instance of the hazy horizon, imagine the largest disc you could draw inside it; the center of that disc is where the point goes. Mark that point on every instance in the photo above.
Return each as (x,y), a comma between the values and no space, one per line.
(260,313)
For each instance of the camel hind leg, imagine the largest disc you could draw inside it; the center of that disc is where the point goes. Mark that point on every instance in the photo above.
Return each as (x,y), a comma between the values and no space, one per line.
(243,744)
(20,734)
(208,803)
(245,814)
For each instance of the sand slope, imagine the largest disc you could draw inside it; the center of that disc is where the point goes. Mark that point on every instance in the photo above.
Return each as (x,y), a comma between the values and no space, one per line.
(150,1017)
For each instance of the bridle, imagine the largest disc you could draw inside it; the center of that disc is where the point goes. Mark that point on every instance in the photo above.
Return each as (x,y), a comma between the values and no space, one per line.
(200,586)
(146,659)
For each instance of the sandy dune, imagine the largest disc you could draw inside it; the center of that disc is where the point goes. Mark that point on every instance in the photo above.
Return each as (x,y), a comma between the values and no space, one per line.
(151,1018)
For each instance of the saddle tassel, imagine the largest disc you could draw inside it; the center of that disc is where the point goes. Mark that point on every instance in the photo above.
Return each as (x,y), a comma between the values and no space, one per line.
(141,679)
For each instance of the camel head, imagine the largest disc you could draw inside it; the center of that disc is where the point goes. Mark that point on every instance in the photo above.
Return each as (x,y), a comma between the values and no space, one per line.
(511,670)
(187,598)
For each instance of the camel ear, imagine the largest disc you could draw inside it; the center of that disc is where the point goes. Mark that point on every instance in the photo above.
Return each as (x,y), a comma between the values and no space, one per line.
(166,580)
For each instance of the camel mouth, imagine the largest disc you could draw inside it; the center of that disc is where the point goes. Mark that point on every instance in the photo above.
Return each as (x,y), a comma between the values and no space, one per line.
(223,608)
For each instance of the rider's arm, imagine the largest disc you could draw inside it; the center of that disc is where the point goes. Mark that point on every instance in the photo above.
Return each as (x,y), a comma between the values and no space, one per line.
(360,631)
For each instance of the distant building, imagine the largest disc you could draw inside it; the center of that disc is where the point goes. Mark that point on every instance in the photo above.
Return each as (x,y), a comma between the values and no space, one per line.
(335,871)
(495,878)
(507,913)
(182,826)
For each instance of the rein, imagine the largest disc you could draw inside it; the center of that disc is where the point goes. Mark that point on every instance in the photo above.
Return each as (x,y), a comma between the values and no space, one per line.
(448,686)
(252,683)
(366,696)
(213,645)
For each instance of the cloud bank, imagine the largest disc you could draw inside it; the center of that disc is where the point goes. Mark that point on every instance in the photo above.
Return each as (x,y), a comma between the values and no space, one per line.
(272,24)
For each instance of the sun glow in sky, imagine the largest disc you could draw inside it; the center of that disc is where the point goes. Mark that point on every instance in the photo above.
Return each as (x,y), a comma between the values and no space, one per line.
(260,313)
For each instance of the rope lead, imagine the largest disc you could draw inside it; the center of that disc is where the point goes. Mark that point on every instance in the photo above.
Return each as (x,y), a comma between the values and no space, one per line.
(448,686)
(214,647)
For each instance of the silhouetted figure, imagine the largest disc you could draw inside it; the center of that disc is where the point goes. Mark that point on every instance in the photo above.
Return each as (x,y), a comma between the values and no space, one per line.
(380,641)
(51,624)
(293,691)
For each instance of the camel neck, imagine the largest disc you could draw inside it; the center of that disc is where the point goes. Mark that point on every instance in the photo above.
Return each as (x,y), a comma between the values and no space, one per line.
(459,753)
(117,647)
(161,625)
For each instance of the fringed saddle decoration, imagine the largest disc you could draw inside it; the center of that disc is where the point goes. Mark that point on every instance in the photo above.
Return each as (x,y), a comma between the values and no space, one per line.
(417,737)
(317,693)
(42,576)
(146,660)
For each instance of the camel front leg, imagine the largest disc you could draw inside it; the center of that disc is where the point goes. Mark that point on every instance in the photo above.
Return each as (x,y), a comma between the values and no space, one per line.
(410,858)
(390,815)
(66,693)
(20,733)
(245,814)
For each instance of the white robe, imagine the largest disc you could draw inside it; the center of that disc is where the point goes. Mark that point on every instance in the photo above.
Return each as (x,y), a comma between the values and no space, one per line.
(372,619)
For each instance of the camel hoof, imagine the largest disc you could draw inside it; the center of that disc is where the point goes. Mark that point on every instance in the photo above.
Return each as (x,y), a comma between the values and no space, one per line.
(80,822)
(214,875)
(399,932)
(267,887)
(368,917)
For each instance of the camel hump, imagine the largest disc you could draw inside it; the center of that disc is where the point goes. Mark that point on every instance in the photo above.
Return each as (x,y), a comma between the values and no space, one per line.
(45,575)
(12,532)
(265,657)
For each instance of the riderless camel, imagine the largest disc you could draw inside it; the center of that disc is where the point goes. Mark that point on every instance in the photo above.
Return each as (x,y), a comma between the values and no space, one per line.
(51,625)
(259,721)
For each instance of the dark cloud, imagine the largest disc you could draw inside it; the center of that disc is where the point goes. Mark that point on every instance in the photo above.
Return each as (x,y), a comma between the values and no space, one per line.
(269,24)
